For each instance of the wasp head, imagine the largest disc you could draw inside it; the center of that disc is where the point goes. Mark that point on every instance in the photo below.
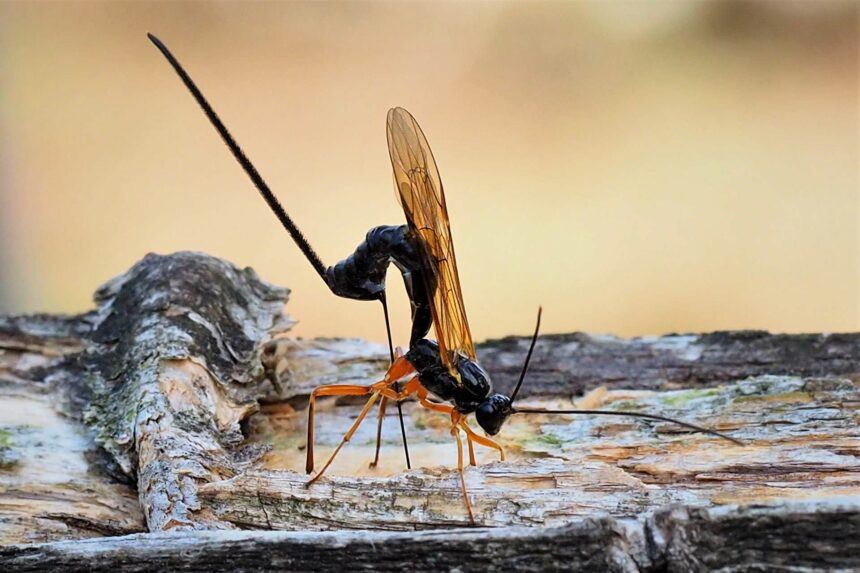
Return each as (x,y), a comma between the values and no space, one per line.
(493,412)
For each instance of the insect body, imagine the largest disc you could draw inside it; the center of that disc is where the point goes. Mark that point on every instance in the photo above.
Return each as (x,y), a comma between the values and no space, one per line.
(443,375)
(362,274)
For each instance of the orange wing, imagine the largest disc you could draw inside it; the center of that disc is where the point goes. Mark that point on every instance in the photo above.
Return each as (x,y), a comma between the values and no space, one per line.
(423,200)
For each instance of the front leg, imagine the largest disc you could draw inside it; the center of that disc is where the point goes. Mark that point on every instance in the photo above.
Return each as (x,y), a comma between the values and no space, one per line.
(484,441)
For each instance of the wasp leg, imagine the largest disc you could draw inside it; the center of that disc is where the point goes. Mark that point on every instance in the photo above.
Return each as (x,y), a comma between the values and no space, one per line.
(399,369)
(382,404)
(385,388)
(330,390)
(486,442)
(396,355)
(455,431)
(445,409)
(373,397)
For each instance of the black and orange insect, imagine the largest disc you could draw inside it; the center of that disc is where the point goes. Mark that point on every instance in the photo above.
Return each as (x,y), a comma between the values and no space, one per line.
(444,375)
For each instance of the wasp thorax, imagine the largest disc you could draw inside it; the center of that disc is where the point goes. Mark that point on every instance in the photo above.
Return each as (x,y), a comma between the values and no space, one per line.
(475,379)
(493,412)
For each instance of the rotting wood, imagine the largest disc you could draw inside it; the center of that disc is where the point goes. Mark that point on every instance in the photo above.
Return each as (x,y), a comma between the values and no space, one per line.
(571,364)
(174,367)
(183,375)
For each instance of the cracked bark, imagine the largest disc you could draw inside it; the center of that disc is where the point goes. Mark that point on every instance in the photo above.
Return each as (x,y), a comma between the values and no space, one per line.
(177,405)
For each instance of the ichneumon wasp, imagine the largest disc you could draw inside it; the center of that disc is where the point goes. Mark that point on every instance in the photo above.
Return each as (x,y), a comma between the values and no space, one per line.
(444,375)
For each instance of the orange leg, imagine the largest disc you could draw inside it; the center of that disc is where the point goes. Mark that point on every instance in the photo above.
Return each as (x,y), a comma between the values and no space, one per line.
(486,442)
(400,368)
(382,404)
(346,437)
(330,390)
(455,431)
(385,389)
(445,409)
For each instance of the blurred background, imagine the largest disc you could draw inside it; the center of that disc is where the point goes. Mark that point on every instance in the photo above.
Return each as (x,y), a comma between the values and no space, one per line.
(637,168)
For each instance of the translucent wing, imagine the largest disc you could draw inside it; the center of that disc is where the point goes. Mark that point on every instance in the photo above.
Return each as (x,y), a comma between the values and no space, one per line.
(423,200)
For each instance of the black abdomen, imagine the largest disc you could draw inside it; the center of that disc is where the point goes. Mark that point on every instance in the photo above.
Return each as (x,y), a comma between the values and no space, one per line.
(362,274)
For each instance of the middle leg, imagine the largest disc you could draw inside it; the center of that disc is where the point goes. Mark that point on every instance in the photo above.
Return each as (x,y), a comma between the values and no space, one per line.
(382,404)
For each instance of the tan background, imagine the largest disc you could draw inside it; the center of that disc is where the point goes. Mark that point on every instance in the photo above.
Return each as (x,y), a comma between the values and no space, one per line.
(634,167)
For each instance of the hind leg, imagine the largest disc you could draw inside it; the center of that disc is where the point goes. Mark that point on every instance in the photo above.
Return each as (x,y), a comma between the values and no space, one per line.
(346,436)
(331,390)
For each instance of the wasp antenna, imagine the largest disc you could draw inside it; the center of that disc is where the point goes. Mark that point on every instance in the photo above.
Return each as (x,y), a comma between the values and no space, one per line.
(632,415)
(528,356)
(243,160)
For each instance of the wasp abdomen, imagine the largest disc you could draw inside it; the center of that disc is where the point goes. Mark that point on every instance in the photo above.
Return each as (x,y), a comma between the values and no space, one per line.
(362,274)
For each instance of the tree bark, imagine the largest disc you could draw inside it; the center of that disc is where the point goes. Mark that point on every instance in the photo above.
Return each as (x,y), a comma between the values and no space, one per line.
(178,405)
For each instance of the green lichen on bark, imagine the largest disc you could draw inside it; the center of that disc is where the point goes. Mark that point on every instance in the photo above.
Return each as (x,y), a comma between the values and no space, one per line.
(9,458)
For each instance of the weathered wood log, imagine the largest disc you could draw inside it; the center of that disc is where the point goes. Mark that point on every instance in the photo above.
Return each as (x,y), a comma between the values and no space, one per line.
(174,367)
(798,536)
(185,381)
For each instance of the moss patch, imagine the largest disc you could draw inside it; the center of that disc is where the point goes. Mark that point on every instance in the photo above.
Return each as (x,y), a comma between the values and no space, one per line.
(788,398)
(550,439)
(8,456)
(682,398)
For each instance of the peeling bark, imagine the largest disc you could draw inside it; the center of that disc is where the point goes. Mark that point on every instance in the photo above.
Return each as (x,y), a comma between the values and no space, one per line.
(174,367)
(571,364)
